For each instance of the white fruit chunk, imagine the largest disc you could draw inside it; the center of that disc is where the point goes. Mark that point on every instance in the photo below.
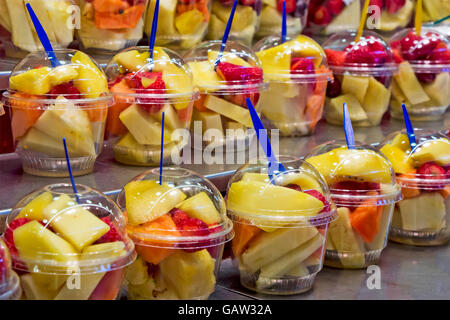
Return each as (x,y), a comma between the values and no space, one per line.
(376,101)
(439,89)
(356,86)
(171,119)
(201,207)
(87,285)
(355,109)
(229,110)
(347,19)
(407,81)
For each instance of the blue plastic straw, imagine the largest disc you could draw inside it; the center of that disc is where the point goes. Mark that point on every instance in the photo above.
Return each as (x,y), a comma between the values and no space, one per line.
(162,151)
(349,135)
(153,32)
(284,24)
(226,34)
(43,37)
(409,128)
(259,128)
(74,187)
(441,20)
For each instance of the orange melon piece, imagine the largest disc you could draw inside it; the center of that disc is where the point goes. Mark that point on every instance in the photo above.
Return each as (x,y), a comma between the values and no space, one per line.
(200,103)
(128,19)
(185,114)
(314,108)
(366,219)
(445,192)
(24,114)
(110,6)
(243,234)
(113,125)
(411,191)
(99,113)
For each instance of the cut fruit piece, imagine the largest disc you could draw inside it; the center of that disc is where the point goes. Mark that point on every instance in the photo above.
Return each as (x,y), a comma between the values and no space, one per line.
(355,109)
(132,60)
(391,21)
(87,284)
(34,81)
(189,22)
(59,13)
(91,81)
(62,74)
(303,180)
(269,247)
(201,207)
(355,85)
(171,119)
(136,274)
(276,62)
(376,101)
(204,76)
(401,141)
(347,19)
(439,89)
(153,203)
(210,121)
(143,127)
(244,233)
(365,219)
(397,92)
(396,219)
(51,282)
(229,110)
(107,250)
(411,87)
(400,160)
(229,57)
(166,18)
(190,274)
(33,210)
(22,30)
(426,212)
(34,291)
(432,150)
(259,177)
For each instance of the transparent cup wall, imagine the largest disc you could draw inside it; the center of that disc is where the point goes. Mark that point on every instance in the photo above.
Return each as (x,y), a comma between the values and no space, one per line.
(68,246)
(279,251)
(109,26)
(245,23)
(179,240)
(20,37)
(9,280)
(49,103)
(182,24)
(143,91)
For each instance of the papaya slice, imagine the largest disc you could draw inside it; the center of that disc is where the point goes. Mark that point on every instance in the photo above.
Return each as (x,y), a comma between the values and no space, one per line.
(200,103)
(24,114)
(113,124)
(445,192)
(127,19)
(243,234)
(412,190)
(110,6)
(314,108)
(99,113)
(201,6)
(366,219)
(185,114)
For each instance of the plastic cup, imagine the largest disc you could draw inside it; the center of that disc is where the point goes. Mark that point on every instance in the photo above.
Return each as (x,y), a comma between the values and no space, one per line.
(245,23)
(68,246)
(9,280)
(435,11)
(422,218)
(329,17)
(49,103)
(21,38)
(220,115)
(363,187)
(280,225)
(272,17)
(179,228)
(423,78)
(109,26)
(143,91)
(394,15)
(362,76)
(182,24)
(297,76)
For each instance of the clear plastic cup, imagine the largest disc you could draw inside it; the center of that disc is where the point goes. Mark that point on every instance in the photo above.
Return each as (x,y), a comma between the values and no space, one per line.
(21,39)
(49,103)
(245,22)
(68,246)
(423,79)
(220,115)
(9,280)
(297,74)
(182,24)
(394,15)
(422,218)
(143,91)
(363,187)
(362,76)
(107,26)
(179,228)
(280,225)
(326,17)
(435,11)
(272,17)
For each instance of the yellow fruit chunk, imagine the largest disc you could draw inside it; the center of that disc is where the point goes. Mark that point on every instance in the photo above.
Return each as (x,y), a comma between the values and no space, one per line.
(259,177)
(108,250)
(33,290)
(401,141)
(325,163)
(35,81)
(88,283)
(90,81)
(63,74)
(201,207)
(229,57)
(191,274)
(306,47)
(356,86)
(204,75)
(33,210)
(132,60)
(276,62)
(400,160)
(433,150)
(189,22)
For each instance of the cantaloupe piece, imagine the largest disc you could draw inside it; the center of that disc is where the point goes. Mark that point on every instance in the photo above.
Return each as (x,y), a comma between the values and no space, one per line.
(243,234)
(411,191)
(366,219)
(24,114)
(121,102)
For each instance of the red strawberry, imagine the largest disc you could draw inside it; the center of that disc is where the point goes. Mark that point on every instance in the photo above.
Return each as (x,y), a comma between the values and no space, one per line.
(378,3)
(3,268)
(112,235)
(302,65)
(440,54)
(354,187)
(294,187)
(235,73)
(335,58)
(335,6)
(9,238)
(247,2)
(67,90)
(368,50)
(321,16)
(291,5)
(392,6)
(397,55)
(431,170)
(150,83)
(316,194)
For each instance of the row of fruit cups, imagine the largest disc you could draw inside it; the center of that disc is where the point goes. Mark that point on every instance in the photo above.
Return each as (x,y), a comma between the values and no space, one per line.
(77,101)
(335,208)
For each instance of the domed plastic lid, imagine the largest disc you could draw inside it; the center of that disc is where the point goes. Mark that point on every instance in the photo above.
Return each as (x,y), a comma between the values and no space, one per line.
(9,281)
(239,69)
(77,77)
(427,166)
(296,197)
(429,51)
(54,231)
(134,76)
(356,177)
(186,211)
(370,55)
(299,59)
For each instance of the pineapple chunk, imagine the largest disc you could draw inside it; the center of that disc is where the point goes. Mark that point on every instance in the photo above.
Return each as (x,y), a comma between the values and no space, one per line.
(201,207)
(107,250)
(204,76)
(426,212)
(132,60)
(229,110)
(357,86)
(34,81)
(88,283)
(51,282)
(355,109)
(376,101)
(189,22)
(276,62)
(171,119)
(63,74)
(401,141)
(433,150)
(411,87)
(191,274)
(229,57)
(33,210)
(439,89)
(400,160)
(397,92)
(152,204)
(166,18)
(34,291)
(90,81)
(136,274)
(347,19)
(22,29)
(210,121)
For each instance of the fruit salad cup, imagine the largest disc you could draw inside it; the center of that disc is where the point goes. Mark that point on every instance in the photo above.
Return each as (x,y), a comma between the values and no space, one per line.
(245,22)
(422,218)
(363,187)
(179,228)
(297,74)
(362,75)
(394,15)
(281,224)
(49,103)
(9,280)
(220,115)
(272,17)
(326,17)
(21,37)
(182,24)
(434,10)
(143,91)
(423,80)
(107,26)
(68,246)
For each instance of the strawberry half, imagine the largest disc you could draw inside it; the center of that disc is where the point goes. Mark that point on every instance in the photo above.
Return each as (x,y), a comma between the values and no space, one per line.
(335,58)
(67,90)
(9,233)
(147,83)
(112,235)
(392,6)
(302,65)
(368,51)
(235,73)
(431,170)
(335,6)
(291,5)
(316,194)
